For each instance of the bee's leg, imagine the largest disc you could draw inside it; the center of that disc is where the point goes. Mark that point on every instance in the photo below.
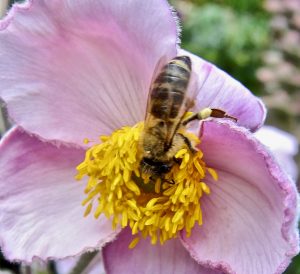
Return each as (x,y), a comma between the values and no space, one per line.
(206,113)
(171,182)
(219,113)
(187,142)
(177,160)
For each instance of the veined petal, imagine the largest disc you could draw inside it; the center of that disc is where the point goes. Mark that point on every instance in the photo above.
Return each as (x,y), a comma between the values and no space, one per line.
(145,258)
(76,69)
(250,217)
(216,89)
(40,201)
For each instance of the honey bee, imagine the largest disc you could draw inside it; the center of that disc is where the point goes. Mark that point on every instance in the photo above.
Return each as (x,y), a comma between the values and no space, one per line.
(166,108)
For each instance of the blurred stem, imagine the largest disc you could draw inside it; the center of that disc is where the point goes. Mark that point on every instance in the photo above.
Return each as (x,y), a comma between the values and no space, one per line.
(3,7)
(96,262)
(4,123)
(26,269)
(84,262)
(51,267)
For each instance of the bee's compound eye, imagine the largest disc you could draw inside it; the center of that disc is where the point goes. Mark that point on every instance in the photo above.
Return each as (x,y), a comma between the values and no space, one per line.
(155,166)
(161,124)
(164,168)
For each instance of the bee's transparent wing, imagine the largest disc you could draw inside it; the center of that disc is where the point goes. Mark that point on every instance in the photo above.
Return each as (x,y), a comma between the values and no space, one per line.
(192,91)
(159,65)
(191,105)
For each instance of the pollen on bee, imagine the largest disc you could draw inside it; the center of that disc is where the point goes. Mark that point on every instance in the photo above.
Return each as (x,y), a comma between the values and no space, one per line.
(117,188)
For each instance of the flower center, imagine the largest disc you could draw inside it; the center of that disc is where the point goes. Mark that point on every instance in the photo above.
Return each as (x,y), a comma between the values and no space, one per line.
(117,188)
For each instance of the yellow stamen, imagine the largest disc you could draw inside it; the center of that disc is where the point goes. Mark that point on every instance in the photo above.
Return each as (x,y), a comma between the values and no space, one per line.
(86,140)
(88,209)
(134,242)
(117,188)
(213,173)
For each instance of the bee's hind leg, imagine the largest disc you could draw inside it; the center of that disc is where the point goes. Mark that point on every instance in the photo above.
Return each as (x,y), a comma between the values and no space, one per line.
(219,113)
(206,113)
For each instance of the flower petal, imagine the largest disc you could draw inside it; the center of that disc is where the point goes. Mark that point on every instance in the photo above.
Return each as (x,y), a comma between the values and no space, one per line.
(145,258)
(216,89)
(250,218)
(283,145)
(76,69)
(40,201)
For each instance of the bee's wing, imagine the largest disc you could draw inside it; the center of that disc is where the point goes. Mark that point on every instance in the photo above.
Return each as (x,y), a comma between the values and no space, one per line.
(158,67)
(192,89)
(192,104)
(172,123)
(190,95)
(188,104)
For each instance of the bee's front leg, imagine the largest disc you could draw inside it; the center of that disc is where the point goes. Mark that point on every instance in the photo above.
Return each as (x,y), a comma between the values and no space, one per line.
(206,113)
(187,141)
(171,182)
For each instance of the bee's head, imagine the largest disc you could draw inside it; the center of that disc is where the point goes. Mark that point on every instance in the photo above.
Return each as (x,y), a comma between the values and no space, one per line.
(149,166)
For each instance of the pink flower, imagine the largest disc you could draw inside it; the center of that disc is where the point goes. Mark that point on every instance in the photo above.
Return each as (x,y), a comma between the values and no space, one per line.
(76,69)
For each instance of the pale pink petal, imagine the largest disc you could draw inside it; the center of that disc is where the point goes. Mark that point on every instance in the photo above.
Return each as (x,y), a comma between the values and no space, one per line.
(216,89)
(250,217)
(145,258)
(283,145)
(40,201)
(76,69)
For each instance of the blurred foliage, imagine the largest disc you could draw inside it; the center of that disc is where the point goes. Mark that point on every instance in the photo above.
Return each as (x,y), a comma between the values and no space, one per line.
(280,73)
(294,268)
(232,39)
(14,1)
(238,5)
(5,265)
